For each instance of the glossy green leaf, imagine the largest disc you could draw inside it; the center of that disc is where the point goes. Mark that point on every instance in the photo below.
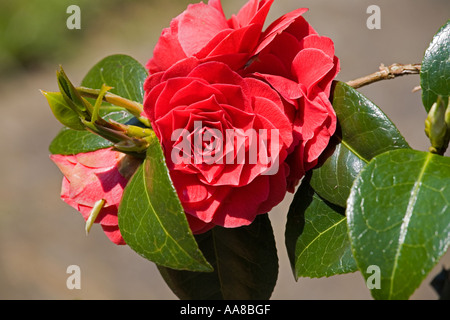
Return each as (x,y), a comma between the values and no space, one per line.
(69,142)
(152,220)
(245,265)
(334,177)
(364,131)
(62,112)
(316,236)
(435,72)
(399,218)
(122,72)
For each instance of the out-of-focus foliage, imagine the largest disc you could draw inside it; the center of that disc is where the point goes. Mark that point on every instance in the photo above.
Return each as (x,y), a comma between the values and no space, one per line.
(34,31)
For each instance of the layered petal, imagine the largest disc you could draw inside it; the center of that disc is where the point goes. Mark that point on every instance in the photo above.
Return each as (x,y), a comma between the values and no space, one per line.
(301,65)
(203,31)
(93,176)
(232,136)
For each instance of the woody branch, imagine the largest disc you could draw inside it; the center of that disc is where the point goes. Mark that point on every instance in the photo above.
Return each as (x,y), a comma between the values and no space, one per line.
(393,71)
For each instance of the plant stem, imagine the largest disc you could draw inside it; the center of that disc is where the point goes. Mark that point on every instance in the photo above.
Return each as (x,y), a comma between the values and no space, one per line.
(393,71)
(98,103)
(133,107)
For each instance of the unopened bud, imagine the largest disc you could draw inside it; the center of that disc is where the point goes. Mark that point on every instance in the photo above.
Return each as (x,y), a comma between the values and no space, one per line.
(436,127)
(72,97)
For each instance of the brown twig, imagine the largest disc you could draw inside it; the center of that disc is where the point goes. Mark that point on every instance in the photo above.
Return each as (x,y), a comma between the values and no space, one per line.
(385,73)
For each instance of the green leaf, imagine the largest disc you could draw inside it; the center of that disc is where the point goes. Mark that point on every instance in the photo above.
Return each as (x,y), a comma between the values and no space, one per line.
(399,218)
(122,72)
(435,71)
(333,179)
(69,142)
(127,77)
(316,236)
(62,112)
(245,265)
(152,220)
(364,131)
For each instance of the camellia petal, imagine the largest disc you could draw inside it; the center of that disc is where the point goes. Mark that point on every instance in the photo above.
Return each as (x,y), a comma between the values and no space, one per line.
(198,25)
(93,176)
(113,234)
(280,25)
(167,51)
(311,76)
(321,43)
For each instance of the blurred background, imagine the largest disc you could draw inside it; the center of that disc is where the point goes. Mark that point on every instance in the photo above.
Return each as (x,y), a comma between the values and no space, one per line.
(40,236)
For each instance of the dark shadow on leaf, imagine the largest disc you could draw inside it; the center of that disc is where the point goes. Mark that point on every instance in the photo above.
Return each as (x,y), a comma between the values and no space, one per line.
(245,265)
(296,219)
(441,284)
(296,216)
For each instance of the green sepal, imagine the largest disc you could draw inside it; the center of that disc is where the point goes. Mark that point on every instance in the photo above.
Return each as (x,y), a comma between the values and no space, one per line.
(62,111)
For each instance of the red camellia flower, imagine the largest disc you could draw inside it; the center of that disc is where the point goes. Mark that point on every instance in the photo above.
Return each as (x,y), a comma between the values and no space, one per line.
(209,74)
(202,31)
(301,66)
(225,139)
(95,176)
(289,55)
